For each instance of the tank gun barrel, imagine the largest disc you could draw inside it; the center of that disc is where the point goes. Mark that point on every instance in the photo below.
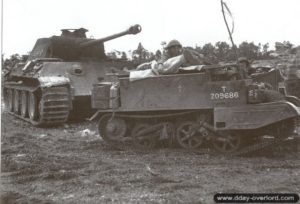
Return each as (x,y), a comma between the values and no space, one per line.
(131,30)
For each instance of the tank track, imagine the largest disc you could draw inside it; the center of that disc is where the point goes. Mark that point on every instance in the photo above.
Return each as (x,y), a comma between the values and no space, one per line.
(128,142)
(52,105)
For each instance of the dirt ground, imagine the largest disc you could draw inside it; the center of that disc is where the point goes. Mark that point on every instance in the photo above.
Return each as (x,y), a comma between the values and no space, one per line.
(65,165)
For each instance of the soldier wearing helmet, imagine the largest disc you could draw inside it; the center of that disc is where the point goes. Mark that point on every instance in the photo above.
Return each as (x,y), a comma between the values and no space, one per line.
(173,58)
(245,67)
(173,49)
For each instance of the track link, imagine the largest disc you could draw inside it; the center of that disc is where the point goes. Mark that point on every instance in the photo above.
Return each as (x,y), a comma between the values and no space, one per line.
(54,106)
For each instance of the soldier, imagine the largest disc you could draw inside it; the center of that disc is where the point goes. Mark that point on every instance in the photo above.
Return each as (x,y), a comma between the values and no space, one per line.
(245,67)
(173,58)
(173,49)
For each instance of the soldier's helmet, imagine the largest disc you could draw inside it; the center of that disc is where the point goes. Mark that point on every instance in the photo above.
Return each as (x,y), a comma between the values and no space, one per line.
(173,43)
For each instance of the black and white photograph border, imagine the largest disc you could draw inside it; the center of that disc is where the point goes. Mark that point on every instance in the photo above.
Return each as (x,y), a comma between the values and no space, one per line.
(140,101)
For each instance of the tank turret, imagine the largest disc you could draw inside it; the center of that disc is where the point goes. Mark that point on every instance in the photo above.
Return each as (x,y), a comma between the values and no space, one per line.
(73,45)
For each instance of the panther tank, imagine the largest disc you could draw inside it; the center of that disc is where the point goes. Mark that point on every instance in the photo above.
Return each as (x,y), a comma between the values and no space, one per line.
(201,106)
(55,82)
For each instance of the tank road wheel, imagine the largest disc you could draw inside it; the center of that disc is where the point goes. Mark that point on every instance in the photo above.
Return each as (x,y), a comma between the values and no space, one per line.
(112,128)
(32,106)
(187,135)
(227,144)
(142,140)
(24,104)
(16,102)
(10,100)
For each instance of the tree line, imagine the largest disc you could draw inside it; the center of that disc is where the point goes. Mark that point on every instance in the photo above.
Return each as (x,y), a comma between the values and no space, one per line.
(221,51)
(215,53)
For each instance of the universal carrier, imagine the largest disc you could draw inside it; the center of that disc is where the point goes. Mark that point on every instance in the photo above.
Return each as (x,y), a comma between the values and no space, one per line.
(208,106)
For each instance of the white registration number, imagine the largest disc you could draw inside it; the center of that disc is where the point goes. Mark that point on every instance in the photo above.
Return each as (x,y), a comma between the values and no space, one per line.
(224,95)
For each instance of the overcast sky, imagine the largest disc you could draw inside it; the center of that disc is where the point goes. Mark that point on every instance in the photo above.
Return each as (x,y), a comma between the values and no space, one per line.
(190,21)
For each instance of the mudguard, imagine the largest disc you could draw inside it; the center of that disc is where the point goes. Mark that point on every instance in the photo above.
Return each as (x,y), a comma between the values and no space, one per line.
(293,99)
(253,116)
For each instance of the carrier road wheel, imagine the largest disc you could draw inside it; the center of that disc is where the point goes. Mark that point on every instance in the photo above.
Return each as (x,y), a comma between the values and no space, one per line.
(24,104)
(112,128)
(146,140)
(188,136)
(16,102)
(32,106)
(10,100)
(227,144)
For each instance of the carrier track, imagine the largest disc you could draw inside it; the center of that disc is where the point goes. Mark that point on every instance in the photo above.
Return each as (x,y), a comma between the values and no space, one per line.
(190,132)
